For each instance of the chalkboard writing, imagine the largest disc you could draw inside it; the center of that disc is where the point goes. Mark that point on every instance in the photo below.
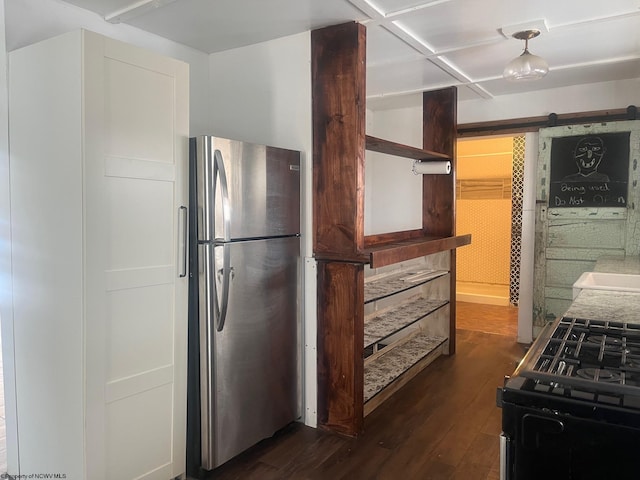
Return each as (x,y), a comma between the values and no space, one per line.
(589,170)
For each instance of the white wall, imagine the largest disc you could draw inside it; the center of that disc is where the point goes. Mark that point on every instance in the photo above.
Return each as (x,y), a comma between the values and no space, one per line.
(579,98)
(6,287)
(262,94)
(525,299)
(29,21)
(393,194)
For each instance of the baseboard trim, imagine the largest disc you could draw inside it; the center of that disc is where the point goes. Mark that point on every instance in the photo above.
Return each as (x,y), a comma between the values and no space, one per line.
(479,298)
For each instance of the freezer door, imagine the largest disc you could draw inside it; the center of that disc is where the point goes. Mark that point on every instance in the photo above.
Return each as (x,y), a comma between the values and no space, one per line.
(261,185)
(253,376)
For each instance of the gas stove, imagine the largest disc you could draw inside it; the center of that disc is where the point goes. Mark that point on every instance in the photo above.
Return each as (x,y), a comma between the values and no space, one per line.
(571,409)
(590,360)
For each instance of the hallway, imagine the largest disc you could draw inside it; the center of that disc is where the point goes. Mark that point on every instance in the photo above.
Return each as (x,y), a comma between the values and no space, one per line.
(443,424)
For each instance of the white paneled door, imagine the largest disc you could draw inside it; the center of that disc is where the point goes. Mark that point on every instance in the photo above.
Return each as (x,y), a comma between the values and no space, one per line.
(139,163)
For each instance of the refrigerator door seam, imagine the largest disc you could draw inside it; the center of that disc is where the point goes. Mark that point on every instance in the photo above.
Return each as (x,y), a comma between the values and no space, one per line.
(221,307)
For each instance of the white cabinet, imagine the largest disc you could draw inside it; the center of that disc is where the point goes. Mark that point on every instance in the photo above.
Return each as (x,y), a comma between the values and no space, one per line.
(98,165)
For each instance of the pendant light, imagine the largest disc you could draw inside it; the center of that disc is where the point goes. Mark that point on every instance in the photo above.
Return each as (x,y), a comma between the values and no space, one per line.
(527,66)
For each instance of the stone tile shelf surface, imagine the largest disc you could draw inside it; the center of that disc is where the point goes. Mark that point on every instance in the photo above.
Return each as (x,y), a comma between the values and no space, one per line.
(606,305)
(381,325)
(381,372)
(382,287)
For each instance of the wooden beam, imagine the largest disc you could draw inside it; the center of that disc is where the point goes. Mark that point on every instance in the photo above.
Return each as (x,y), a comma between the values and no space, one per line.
(533,124)
(340,347)
(338,64)
(439,135)
(439,113)
(403,151)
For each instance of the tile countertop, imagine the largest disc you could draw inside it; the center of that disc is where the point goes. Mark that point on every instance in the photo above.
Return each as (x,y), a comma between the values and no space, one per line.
(606,305)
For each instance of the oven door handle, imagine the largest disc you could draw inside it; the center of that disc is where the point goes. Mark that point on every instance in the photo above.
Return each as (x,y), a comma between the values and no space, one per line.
(536,429)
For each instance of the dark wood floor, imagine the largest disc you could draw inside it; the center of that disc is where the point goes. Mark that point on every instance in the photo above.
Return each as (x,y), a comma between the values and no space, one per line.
(443,424)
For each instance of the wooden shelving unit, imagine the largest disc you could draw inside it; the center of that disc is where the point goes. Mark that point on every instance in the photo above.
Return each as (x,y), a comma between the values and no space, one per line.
(340,246)
(394,339)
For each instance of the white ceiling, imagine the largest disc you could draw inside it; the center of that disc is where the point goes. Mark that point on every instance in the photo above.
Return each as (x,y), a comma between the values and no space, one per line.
(416,45)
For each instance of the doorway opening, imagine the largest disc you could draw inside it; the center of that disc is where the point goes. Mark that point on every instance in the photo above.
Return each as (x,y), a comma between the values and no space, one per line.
(489,196)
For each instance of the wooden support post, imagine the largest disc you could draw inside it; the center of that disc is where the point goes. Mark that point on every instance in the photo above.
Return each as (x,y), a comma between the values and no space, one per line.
(439,111)
(338,80)
(340,346)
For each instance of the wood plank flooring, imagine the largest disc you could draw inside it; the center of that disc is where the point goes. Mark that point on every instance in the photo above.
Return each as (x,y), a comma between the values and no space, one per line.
(487,318)
(443,424)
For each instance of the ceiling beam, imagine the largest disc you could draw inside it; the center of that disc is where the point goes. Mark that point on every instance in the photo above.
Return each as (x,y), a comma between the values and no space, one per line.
(135,9)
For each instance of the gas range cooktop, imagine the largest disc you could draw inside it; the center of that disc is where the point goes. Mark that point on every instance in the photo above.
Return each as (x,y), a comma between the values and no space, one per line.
(588,360)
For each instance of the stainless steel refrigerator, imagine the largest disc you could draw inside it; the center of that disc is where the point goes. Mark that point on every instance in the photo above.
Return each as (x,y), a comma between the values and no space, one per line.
(246,239)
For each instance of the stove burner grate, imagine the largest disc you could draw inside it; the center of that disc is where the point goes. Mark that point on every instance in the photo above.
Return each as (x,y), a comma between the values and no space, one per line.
(598,374)
(577,355)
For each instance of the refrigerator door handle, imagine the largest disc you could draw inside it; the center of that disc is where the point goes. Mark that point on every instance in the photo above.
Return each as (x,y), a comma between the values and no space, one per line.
(185,228)
(221,273)
(210,289)
(222,304)
(219,171)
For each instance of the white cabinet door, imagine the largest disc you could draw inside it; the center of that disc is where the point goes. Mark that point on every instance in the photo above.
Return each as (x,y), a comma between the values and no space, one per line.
(135,115)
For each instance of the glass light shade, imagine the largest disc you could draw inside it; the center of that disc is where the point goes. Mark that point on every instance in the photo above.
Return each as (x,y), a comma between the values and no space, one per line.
(526,67)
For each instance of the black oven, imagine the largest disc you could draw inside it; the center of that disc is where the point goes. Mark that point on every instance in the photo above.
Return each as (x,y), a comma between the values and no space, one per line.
(571,410)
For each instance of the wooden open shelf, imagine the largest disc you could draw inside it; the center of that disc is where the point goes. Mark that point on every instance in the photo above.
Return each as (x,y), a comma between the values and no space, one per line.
(381,287)
(397,149)
(388,372)
(388,253)
(380,326)
(402,250)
